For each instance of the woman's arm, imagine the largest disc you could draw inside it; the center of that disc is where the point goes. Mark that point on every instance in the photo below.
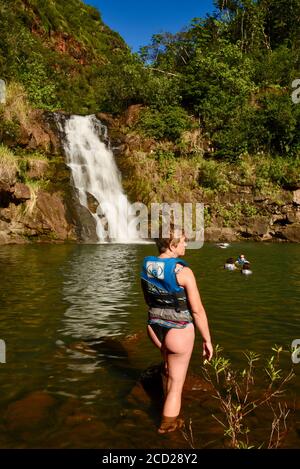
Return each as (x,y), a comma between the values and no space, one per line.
(186,279)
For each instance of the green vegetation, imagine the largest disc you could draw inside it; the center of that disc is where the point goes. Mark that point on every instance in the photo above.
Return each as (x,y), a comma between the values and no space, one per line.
(167,122)
(233,214)
(242,396)
(61,52)
(213,176)
(233,71)
(31,168)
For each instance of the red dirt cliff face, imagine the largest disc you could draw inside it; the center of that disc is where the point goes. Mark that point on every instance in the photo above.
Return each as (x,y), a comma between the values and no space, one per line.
(61,42)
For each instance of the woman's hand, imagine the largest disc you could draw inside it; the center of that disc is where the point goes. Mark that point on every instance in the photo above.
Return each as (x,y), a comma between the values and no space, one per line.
(208,350)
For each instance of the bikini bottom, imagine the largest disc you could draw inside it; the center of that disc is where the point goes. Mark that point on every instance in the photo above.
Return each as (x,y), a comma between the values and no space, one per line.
(159,331)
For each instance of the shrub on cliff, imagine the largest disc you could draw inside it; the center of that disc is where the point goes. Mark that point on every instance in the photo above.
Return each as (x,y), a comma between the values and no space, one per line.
(235,69)
(168,122)
(57,50)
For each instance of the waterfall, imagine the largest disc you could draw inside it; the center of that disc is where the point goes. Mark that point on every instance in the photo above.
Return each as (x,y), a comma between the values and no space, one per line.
(95,174)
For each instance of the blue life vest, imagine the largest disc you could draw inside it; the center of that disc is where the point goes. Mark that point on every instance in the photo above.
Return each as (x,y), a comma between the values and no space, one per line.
(160,286)
(241,261)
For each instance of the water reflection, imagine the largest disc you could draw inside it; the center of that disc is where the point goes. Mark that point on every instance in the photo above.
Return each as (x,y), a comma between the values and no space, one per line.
(97,287)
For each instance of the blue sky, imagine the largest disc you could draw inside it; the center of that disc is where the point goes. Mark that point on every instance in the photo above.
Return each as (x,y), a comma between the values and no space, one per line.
(138,20)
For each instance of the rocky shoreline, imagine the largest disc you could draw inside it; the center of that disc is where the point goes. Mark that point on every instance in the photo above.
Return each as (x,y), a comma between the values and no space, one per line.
(38,203)
(274,222)
(276,218)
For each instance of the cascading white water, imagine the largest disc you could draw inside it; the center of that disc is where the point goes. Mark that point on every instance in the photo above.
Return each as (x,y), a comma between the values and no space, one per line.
(95,172)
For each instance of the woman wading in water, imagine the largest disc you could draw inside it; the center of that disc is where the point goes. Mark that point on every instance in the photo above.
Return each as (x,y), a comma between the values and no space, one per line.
(171,292)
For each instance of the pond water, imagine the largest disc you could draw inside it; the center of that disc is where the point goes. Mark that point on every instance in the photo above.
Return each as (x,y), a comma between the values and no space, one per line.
(73,320)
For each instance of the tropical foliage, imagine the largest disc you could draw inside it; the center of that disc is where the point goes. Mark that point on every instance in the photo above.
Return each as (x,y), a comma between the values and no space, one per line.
(232,71)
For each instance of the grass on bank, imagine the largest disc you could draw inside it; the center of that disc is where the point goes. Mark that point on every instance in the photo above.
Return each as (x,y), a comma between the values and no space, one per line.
(14,168)
(16,106)
(240,398)
(16,114)
(162,175)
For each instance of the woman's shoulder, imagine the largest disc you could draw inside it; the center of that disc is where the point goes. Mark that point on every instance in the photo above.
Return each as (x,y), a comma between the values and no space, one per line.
(178,268)
(184,270)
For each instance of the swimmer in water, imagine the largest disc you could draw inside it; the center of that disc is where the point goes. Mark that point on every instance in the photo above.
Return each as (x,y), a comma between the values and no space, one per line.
(230,265)
(241,260)
(246,269)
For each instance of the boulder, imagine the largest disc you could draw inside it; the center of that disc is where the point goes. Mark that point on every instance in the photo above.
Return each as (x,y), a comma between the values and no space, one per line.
(44,214)
(21,192)
(32,134)
(296,197)
(29,413)
(53,213)
(37,133)
(85,223)
(12,238)
(106,119)
(293,216)
(132,114)
(92,203)
(8,173)
(259,227)
(5,238)
(217,234)
(9,213)
(292,233)
(37,169)
(78,419)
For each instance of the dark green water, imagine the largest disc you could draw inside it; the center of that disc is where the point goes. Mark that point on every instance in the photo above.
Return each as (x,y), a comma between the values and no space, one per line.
(65,314)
